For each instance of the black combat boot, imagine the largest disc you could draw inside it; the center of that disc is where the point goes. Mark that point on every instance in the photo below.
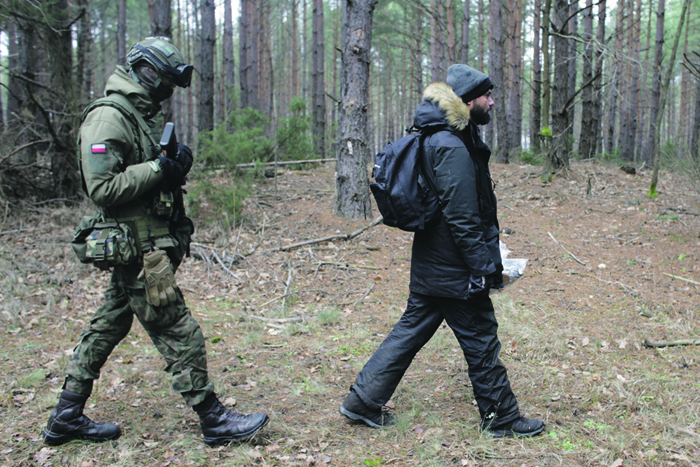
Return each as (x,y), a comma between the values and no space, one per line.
(221,426)
(67,423)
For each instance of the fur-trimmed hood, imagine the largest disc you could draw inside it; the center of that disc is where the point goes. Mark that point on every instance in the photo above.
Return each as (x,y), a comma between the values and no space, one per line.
(441,107)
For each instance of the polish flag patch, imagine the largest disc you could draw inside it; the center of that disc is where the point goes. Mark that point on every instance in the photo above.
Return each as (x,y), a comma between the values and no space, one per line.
(98,148)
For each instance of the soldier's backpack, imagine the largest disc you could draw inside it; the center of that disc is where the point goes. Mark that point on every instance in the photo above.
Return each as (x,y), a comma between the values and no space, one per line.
(404,188)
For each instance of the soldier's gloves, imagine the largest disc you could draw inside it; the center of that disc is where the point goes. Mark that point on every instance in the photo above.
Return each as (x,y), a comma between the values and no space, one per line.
(184,157)
(477,287)
(174,172)
(159,278)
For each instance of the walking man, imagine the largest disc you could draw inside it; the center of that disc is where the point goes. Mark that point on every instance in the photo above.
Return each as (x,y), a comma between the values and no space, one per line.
(453,265)
(125,173)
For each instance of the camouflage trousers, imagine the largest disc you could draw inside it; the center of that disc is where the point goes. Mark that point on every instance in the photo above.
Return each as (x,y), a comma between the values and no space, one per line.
(176,335)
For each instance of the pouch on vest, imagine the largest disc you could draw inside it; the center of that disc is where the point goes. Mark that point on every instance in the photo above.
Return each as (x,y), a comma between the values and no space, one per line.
(163,204)
(105,244)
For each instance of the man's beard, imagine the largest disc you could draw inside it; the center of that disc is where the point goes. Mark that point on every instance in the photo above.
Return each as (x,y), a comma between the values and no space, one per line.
(479,115)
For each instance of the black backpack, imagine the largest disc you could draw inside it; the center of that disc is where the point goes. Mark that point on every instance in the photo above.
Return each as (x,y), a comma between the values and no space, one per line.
(404,188)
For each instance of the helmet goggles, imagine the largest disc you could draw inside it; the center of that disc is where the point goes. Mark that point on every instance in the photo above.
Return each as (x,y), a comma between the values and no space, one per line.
(180,75)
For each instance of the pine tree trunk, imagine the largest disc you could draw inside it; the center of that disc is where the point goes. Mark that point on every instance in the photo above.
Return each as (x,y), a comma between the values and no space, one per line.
(560,121)
(121,32)
(161,25)
(352,180)
(655,83)
(598,71)
(417,57)
(662,100)
(695,134)
(161,18)
(536,113)
(229,61)
(497,75)
(465,33)
(546,65)
(318,88)
(573,55)
(589,135)
(295,49)
(435,42)
(206,71)
(83,72)
(265,80)
(615,86)
(449,18)
(515,112)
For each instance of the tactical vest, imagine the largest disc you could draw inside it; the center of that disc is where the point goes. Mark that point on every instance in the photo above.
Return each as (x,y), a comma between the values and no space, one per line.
(139,214)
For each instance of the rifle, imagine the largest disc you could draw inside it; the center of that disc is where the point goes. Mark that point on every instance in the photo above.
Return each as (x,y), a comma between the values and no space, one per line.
(168,143)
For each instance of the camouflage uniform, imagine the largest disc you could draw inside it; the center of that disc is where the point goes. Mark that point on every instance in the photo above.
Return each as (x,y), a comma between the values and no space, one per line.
(122,176)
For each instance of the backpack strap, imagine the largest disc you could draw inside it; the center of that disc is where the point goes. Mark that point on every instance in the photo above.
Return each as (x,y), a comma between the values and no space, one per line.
(426,171)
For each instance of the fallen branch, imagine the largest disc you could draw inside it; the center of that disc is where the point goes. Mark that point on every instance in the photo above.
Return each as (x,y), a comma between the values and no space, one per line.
(288,284)
(359,300)
(278,320)
(681,278)
(562,247)
(347,265)
(627,288)
(651,344)
(309,161)
(218,260)
(330,238)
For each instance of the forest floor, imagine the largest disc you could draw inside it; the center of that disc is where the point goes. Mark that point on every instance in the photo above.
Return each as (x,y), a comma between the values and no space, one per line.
(288,329)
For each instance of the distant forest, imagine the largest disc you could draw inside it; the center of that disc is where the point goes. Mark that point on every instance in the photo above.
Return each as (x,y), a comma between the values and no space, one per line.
(574,80)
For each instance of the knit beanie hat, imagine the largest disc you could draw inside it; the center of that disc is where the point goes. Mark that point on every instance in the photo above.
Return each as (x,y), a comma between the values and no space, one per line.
(467,82)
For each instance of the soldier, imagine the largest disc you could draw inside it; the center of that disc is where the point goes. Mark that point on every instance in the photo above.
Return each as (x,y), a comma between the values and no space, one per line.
(127,176)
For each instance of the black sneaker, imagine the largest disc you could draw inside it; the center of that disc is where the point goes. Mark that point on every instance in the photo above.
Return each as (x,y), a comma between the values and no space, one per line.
(354,409)
(519,428)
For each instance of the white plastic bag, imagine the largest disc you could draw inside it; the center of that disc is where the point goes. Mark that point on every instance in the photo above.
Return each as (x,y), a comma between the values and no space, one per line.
(513,268)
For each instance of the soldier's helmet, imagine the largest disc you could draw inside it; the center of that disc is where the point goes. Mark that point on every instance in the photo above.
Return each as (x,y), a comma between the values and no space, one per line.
(164,57)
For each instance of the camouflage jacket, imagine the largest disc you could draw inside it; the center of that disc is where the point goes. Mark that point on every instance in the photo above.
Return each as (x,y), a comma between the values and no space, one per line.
(119,161)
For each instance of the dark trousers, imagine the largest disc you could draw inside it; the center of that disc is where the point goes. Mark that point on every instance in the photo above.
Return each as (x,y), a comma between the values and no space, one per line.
(473,323)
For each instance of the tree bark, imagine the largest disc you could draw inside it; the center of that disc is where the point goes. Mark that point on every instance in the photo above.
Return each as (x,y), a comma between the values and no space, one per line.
(161,18)
(121,32)
(436,41)
(536,113)
(229,60)
(417,57)
(83,72)
(546,65)
(560,121)
(449,18)
(318,88)
(662,102)
(465,33)
(352,181)
(515,111)
(589,135)
(496,67)
(206,71)
(295,48)
(695,136)
(615,83)
(573,53)
(161,26)
(265,79)
(648,154)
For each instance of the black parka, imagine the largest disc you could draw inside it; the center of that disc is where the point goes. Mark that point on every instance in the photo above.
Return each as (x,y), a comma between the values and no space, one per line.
(465,241)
